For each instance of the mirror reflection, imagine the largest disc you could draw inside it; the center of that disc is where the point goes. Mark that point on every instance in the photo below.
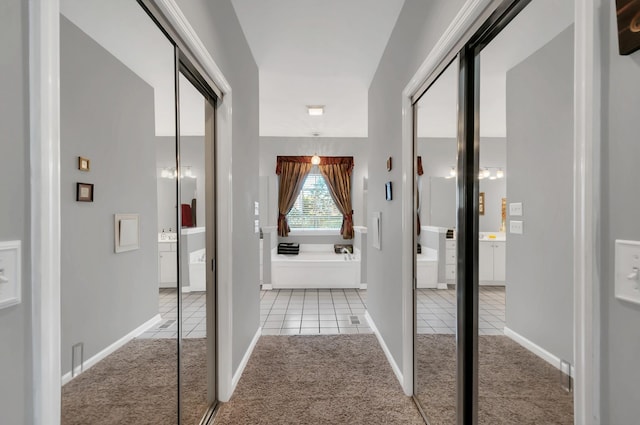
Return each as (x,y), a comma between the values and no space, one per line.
(435,295)
(118,336)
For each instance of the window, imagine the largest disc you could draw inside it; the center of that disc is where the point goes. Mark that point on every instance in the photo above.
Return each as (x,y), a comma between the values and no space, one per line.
(314,208)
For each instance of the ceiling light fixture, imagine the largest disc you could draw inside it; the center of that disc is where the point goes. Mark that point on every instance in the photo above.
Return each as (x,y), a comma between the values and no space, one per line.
(315,159)
(315,111)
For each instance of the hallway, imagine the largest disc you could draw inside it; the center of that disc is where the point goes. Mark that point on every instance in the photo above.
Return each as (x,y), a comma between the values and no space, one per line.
(338,379)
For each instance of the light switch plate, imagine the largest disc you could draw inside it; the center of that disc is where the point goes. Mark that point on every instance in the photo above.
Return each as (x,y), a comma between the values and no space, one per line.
(627,271)
(10,273)
(515,209)
(516,227)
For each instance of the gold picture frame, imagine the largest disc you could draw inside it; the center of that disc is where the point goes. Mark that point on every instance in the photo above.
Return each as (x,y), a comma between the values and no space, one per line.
(84,164)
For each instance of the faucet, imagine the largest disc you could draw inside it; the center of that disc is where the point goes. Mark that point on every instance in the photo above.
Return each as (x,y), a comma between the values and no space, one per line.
(347,254)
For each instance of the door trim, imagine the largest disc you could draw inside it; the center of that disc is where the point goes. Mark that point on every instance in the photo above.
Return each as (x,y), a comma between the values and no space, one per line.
(586,192)
(44,147)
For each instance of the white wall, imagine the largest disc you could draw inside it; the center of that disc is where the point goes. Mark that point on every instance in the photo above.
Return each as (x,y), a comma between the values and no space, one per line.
(418,28)
(358,147)
(15,324)
(217,26)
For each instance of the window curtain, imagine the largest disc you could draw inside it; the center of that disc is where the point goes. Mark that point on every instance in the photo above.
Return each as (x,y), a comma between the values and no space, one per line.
(337,174)
(420,172)
(293,170)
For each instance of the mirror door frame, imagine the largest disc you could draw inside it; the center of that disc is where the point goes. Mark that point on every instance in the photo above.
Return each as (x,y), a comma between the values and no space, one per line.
(491,15)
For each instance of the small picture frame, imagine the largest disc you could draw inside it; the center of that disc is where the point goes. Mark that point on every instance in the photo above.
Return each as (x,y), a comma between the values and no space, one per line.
(84,192)
(481,204)
(389,164)
(84,164)
(388,194)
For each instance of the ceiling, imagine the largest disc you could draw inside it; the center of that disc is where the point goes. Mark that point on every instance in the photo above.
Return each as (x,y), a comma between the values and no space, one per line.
(534,27)
(123,29)
(313,52)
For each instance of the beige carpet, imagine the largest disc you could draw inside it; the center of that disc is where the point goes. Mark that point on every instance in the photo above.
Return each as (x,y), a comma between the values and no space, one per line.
(137,385)
(516,386)
(338,379)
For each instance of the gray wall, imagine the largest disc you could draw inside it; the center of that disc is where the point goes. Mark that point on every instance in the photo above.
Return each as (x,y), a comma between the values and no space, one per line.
(438,156)
(107,115)
(540,137)
(15,321)
(192,154)
(217,26)
(620,176)
(358,147)
(418,28)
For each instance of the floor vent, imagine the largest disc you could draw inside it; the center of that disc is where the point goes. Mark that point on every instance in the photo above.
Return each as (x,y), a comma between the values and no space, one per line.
(167,324)
(354,320)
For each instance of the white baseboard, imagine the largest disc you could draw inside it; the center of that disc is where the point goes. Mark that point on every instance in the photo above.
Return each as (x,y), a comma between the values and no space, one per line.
(186,289)
(113,347)
(545,355)
(392,362)
(363,286)
(245,360)
(442,286)
(267,287)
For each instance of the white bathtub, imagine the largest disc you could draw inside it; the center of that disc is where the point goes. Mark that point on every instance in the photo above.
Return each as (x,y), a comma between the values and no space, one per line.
(427,268)
(317,266)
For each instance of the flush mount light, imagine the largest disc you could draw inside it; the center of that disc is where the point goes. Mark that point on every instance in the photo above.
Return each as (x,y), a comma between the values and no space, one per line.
(315,111)
(315,159)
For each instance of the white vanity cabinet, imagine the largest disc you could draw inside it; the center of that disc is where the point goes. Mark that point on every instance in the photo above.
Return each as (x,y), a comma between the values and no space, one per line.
(492,262)
(450,260)
(168,264)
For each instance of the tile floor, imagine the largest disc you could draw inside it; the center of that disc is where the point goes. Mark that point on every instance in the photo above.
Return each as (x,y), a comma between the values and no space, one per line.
(193,309)
(313,311)
(329,311)
(437,311)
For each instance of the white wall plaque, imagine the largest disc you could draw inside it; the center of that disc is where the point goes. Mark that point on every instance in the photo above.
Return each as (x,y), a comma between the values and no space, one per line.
(127,232)
(10,273)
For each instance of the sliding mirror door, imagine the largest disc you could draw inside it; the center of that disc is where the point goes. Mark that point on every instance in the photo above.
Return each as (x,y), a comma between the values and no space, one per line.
(525,326)
(119,242)
(197,249)
(435,261)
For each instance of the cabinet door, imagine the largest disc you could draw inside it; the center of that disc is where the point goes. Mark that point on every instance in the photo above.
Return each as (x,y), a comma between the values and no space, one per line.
(168,267)
(499,261)
(485,261)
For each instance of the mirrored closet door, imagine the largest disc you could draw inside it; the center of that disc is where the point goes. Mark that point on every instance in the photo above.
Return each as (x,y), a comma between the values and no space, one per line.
(435,301)
(138,220)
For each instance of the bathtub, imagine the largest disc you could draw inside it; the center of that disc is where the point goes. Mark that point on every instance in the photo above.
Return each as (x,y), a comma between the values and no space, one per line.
(197,271)
(317,266)
(427,268)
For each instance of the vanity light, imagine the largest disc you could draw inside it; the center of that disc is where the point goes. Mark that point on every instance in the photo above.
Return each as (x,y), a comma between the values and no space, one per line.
(486,173)
(315,111)
(315,159)
(499,173)
(452,173)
